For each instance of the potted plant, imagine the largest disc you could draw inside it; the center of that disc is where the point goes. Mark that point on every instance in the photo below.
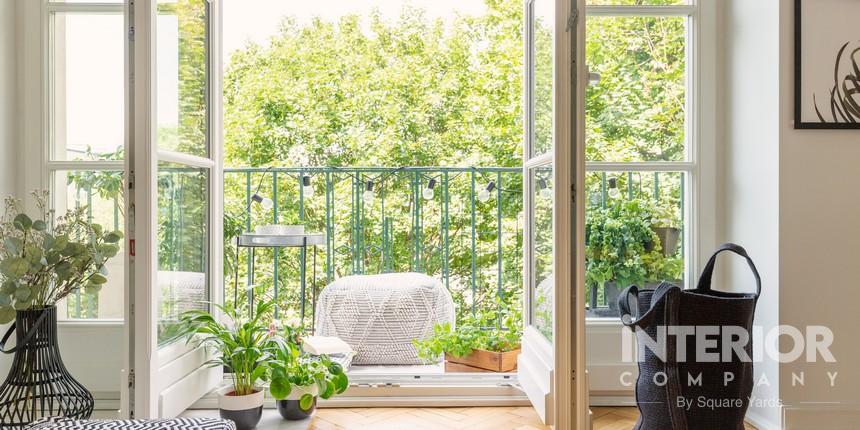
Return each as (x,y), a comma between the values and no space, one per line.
(489,341)
(297,379)
(242,345)
(664,226)
(616,238)
(43,259)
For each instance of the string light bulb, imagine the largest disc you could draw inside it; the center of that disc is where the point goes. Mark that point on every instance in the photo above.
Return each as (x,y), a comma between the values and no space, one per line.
(265,202)
(368,193)
(307,188)
(484,195)
(614,192)
(428,192)
(545,190)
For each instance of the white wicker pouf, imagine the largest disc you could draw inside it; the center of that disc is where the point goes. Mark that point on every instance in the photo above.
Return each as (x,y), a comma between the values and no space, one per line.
(380,315)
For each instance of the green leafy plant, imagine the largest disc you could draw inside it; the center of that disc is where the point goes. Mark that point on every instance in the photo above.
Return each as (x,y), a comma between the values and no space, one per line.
(45,259)
(290,368)
(494,331)
(242,342)
(621,246)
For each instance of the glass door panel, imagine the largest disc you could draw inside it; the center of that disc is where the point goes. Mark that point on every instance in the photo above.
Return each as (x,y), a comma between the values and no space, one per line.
(183,244)
(542,281)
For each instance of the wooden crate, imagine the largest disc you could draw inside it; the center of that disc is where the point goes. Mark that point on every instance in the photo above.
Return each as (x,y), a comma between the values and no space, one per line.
(483,361)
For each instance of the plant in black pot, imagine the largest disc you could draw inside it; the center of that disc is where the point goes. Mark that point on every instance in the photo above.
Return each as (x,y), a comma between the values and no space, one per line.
(242,344)
(298,379)
(43,259)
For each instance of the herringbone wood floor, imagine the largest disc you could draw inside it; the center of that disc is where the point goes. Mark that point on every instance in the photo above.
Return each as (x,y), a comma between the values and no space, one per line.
(521,418)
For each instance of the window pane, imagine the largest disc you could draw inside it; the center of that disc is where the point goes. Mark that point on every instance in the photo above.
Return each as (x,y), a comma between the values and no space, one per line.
(542,282)
(636,2)
(182,75)
(633,234)
(542,86)
(637,111)
(183,244)
(88,86)
(101,193)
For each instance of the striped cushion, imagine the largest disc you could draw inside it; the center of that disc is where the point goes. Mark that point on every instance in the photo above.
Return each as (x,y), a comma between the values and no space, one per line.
(56,423)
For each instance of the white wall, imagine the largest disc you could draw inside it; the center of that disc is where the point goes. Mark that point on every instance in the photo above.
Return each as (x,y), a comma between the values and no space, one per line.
(819,236)
(8,98)
(749,181)
(787,195)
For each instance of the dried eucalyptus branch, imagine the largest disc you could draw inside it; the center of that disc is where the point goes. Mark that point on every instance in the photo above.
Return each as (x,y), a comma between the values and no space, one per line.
(44,260)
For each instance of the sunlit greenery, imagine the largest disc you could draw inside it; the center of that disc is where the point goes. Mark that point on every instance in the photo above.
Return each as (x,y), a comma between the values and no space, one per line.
(372,91)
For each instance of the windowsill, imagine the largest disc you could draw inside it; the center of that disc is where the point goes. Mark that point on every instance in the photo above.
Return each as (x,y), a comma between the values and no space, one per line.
(602,322)
(84,323)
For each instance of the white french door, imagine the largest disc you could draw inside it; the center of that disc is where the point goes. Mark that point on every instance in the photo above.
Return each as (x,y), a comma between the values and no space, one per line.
(175,185)
(552,347)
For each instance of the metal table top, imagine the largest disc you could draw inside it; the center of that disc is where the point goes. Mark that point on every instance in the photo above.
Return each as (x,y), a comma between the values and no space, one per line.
(253,240)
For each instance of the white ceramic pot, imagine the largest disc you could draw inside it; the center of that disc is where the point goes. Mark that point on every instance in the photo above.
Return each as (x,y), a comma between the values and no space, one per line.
(297,392)
(291,230)
(267,229)
(245,411)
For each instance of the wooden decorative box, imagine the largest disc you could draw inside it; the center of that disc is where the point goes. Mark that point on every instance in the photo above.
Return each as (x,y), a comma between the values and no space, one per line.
(483,361)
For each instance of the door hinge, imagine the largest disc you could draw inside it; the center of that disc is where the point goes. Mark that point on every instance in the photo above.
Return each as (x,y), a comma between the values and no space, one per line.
(573,193)
(131,34)
(571,20)
(131,379)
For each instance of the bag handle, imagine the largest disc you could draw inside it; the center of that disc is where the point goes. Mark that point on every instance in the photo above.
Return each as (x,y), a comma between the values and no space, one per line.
(708,272)
(645,320)
(27,337)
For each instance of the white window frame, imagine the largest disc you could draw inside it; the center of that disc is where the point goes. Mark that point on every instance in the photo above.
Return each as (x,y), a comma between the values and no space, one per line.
(49,166)
(698,166)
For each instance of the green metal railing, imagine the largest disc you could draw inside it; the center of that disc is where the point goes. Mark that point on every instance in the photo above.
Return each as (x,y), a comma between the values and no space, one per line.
(473,247)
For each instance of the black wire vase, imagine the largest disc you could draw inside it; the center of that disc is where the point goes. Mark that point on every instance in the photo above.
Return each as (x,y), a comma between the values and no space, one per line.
(38,384)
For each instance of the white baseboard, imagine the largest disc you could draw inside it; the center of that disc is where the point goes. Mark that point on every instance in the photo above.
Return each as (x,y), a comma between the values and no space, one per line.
(761,423)
(812,416)
(611,401)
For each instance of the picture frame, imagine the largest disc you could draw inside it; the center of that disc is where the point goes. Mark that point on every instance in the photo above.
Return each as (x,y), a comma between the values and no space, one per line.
(827,84)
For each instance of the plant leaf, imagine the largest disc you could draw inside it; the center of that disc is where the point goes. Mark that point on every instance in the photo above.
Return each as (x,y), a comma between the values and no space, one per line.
(280,388)
(13,245)
(22,222)
(98,279)
(7,314)
(23,293)
(306,401)
(14,267)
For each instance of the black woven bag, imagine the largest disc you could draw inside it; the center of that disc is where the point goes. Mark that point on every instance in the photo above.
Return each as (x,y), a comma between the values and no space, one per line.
(692,394)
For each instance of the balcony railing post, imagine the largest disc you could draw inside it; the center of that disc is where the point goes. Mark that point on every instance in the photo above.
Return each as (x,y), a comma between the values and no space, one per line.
(446,222)
(416,222)
(276,252)
(474,246)
(329,227)
(250,263)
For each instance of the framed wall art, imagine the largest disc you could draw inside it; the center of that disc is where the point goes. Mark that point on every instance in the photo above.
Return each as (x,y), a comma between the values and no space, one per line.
(827,64)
